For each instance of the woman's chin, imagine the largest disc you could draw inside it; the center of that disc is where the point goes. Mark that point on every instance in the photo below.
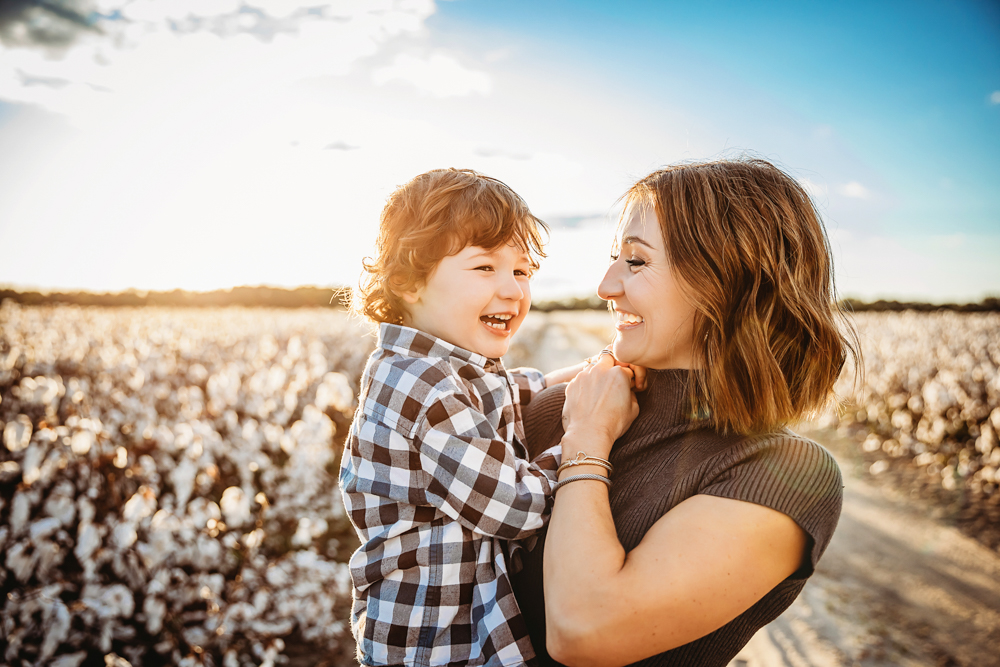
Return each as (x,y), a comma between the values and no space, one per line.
(621,352)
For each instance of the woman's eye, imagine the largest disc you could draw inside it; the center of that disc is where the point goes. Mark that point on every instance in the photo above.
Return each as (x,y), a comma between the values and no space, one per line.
(635,262)
(522,272)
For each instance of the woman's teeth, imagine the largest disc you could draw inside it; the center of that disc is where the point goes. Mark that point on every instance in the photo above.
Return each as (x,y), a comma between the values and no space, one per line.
(628,318)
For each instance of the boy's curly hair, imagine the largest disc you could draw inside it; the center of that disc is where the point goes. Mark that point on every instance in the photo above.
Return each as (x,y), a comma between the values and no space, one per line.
(435,215)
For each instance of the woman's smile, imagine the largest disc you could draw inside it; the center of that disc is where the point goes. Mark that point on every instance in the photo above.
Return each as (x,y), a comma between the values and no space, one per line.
(625,321)
(640,280)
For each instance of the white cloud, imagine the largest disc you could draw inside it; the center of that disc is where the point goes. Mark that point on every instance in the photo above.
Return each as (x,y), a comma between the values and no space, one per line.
(823,131)
(156,10)
(854,190)
(439,75)
(815,190)
(995,97)
(214,55)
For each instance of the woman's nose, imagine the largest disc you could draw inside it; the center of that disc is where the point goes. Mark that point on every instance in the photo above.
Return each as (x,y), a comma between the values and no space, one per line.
(611,285)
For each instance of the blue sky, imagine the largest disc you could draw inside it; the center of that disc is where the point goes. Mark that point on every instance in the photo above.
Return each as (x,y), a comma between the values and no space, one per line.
(225,142)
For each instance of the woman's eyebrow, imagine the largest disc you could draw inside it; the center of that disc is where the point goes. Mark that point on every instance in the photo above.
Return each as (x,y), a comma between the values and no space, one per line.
(636,239)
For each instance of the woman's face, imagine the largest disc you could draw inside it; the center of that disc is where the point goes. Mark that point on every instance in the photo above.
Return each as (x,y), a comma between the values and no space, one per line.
(653,320)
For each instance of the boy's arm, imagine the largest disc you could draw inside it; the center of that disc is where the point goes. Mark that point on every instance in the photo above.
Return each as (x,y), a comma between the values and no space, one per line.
(564,374)
(475,477)
(530,381)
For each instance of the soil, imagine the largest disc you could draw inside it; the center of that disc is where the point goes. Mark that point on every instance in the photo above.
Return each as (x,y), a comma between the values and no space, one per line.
(899,585)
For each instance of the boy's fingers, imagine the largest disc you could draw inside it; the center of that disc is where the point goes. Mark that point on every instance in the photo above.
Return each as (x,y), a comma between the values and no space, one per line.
(640,377)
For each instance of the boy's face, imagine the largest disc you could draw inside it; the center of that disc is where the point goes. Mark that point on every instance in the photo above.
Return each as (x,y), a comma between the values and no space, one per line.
(475,299)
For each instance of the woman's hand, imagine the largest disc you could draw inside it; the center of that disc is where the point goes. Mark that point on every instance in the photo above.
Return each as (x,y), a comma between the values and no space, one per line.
(599,407)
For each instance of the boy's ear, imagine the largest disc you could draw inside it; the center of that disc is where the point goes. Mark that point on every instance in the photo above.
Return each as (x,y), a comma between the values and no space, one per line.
(411,296)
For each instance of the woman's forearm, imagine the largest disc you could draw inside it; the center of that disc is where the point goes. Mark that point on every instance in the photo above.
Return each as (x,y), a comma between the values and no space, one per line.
(582,557)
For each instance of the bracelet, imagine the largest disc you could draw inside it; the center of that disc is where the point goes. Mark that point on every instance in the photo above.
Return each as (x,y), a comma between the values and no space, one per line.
(582,458)
(577,478)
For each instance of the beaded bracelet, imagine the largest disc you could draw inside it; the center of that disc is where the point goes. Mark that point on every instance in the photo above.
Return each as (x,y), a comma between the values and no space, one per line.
(582,458)
(577,478)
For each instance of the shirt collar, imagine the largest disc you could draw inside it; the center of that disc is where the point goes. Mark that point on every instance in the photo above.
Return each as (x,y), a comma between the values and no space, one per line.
(415,343)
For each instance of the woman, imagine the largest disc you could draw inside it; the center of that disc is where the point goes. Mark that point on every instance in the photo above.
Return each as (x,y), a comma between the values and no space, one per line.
(722,287)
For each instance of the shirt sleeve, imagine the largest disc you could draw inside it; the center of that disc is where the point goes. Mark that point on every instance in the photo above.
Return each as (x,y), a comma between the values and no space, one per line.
(527,382)
(790,474)
(475,477)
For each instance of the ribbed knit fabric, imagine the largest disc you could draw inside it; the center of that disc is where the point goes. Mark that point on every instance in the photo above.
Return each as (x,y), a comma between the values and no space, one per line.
(666,457)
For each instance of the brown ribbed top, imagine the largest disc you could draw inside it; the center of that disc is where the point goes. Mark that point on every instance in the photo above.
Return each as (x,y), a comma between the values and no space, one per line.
(666,457)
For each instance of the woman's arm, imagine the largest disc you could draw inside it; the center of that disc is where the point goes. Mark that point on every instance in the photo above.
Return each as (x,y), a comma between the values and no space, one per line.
(701,565)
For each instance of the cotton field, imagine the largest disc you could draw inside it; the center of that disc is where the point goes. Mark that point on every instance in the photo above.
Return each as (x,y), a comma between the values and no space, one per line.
(930,402)
(168,476)
(168,484)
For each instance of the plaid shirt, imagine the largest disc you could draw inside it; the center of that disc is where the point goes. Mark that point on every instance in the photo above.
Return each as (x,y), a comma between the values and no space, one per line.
(436,482)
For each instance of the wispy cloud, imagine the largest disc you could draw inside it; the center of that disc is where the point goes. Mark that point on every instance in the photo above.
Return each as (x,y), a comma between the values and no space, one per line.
(440,75)
(154,53)
(854,190)
(815,190)
(995,97)
(499,152)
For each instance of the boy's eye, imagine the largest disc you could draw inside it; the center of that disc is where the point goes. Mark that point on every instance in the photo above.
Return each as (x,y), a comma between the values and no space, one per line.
(485,267)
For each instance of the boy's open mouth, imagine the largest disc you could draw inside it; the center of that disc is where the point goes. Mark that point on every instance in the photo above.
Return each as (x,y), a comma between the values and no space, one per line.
(501,322)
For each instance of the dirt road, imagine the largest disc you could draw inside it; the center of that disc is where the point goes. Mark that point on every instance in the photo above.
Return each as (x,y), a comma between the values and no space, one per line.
(895,587)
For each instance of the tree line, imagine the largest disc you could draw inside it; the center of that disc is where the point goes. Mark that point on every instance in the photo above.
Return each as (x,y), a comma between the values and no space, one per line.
(339,297)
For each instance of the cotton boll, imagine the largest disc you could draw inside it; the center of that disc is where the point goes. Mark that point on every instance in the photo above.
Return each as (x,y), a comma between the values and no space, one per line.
(81,442)
(141,505)
(17,433)
(235,505)
(335,392)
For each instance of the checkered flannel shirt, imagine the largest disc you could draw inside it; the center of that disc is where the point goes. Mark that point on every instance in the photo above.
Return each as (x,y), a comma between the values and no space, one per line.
(436,481)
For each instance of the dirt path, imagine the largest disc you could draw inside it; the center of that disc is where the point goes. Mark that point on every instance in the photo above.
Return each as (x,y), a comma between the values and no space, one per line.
(895,587)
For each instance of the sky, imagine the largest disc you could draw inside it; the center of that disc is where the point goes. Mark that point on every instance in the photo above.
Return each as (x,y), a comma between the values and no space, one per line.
(205,144)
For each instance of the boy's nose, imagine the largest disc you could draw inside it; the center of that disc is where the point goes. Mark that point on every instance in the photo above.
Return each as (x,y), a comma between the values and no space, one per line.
(511,289)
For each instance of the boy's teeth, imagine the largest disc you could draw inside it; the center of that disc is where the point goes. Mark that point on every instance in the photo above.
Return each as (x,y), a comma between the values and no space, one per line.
(499,321)
(629,318)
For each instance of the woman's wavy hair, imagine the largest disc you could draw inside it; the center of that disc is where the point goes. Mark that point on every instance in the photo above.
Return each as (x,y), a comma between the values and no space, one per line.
(435,215)
(753,258)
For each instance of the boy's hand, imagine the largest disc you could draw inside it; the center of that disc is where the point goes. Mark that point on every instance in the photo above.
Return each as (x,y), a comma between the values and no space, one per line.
(638,372)
(567,374)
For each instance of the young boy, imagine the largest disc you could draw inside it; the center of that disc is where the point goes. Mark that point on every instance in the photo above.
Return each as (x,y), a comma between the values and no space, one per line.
(434,476)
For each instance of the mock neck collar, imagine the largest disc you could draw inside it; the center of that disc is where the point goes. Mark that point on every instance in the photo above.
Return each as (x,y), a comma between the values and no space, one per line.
(665,404)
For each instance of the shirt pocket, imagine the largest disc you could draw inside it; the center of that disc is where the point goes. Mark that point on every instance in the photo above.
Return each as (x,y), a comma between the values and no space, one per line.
(397,419)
